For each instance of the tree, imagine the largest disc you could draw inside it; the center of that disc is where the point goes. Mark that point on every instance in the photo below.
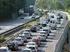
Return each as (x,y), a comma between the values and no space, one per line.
(67,4)
(53,4)
(41,4)
(7,7)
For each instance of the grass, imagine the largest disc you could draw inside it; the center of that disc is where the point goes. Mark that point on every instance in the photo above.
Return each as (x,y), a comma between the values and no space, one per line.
(29,25)
(2,39)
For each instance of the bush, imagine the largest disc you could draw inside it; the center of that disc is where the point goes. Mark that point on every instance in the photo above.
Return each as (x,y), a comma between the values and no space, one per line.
(2,39)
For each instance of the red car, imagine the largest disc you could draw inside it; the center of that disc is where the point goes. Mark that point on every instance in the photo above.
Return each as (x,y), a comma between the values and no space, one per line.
(37,40)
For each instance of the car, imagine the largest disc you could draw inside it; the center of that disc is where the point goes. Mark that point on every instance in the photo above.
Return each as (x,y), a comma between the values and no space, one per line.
(53,26)
(27,34)
(60,16)
(52,16)
(53,31)
(46,30)
(31,43)
(58,25)
(36,40)
(4,49)
(33,48)
(58,21)
(28,30)
(23,37)
(18,40)
(44,23)
(35,15)
(51,34)
(26,50)
(43,33)
(62,21)
(28,17)
(12,46)
(43,37)
(33,29)
(52,21)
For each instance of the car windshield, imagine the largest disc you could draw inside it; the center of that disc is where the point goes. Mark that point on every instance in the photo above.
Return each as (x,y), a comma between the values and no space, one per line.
(26,33)
(32,48)
(26,51)
(3,50)
(21,36)
(45,30)
(43,33)
(18,39)
(31,44)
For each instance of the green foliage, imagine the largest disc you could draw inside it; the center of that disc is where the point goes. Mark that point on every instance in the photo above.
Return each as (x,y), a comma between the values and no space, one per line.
(7,7)
(53,4)
(2,39)
(41,4)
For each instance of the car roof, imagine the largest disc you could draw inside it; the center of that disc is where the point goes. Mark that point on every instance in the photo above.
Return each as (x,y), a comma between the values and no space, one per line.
(27,48)
(18,38)
(30,45)
(40,31)
(31,42)
(35,37)
(21,34)
(46,27)
(3,47)
(25,32)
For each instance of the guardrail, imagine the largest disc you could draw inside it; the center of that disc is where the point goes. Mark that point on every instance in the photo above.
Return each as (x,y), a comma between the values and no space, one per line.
(17,28)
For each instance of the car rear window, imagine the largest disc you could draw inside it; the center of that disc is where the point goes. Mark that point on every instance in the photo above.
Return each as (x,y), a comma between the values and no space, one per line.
(32,48)
(26,51)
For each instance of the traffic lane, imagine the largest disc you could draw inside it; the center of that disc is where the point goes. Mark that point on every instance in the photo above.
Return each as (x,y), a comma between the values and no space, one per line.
(40,49)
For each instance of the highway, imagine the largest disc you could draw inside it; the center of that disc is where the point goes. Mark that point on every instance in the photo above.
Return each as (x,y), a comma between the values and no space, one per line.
(53,42)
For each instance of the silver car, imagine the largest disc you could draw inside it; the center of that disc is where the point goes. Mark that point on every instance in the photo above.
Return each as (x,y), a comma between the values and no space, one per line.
(18,41)
(26,50)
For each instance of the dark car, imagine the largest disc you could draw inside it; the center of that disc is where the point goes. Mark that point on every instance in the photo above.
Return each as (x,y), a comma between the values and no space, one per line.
(34,29)
(12,46)
(60,16)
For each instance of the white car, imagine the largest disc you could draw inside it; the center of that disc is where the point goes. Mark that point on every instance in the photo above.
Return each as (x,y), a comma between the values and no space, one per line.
(58,25)
(4,49)
(28,17)
(23,37)
(47,29)
(26,50)
(43,37)
(53,31)
(43,33)
(33,48)
(51,34)
(18,41)
(35,16)
(27,34)
(31,43)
